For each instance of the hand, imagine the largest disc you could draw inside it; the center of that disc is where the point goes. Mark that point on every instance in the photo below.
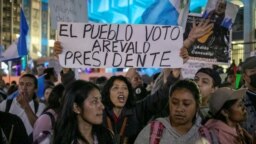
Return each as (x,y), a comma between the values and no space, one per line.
(200,30)
(176,72)
(22,99)
(57,49)
(184,54)
(167,72)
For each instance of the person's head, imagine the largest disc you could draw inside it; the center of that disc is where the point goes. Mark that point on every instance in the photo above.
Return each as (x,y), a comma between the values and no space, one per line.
(13,82)
(136,80)
(50,75)
(81,106)
(12,89)
(220,6)
(47,92)
(100,81)
(55,97)
(249,72)
(184,101)
(118,92)
(2,84)
(231,77)
(28,85)
(207,80)
(226,105)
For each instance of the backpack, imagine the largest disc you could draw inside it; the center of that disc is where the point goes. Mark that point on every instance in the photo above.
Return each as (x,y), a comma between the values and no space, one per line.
(156,132)
(157,128)
(8,106)
(210,135)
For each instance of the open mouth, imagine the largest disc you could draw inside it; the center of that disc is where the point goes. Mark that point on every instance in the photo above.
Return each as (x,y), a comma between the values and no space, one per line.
(121,99)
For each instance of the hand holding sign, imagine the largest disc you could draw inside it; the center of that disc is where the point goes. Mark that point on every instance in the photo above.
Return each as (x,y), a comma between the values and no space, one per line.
(57,49)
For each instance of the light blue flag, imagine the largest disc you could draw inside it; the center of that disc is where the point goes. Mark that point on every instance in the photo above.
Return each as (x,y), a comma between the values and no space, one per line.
(22,44)
(167,12)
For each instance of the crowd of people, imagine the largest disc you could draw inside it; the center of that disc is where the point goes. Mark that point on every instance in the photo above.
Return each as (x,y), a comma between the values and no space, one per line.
(123,110)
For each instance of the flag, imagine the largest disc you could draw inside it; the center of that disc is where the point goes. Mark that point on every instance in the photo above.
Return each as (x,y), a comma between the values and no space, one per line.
(22,44)
(10,53)
(18,48)
(41,86)
(167,12)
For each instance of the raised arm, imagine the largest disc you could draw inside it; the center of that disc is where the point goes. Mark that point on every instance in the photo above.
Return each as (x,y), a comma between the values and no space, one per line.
(67,75)
(156,102)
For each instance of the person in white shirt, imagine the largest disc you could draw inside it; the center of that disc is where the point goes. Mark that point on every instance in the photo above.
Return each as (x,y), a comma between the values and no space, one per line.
(25,105)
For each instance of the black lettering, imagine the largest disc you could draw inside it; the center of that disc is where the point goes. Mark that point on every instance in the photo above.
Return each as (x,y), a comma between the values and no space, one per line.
(62,29)
(114,46)
(87,28)
(67,56)
(86,58)
(126,31)
(94,28)
(95,58)
(114,60)
(164,59)
(154,33)
(117,33)
(166,30)
(103,31)
(130,47)
(127,60)
(71,33)
(77,55)
(146,47)
(110,31)
(178,33)
(106,56)
(156,53)
(106,43)
(148,35)
(142,62)
(123,47)
(96,45)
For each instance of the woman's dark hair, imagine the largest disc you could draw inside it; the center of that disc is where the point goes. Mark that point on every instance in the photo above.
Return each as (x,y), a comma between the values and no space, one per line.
(227,105)
(106,92)
(188,85)
(54,100)
(66,129)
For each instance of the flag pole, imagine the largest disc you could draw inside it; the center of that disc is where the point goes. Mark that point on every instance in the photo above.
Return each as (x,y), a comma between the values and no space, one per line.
(9,70)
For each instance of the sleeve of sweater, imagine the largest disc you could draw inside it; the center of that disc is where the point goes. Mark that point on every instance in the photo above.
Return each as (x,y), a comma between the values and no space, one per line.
(67,78)
(143,136)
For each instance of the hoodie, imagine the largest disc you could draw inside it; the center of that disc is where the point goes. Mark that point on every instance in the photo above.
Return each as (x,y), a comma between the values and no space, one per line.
(227,134)
(170,135)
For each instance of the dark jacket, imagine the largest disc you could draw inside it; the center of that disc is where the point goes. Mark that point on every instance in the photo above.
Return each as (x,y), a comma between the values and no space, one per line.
(139,115)
(12,122)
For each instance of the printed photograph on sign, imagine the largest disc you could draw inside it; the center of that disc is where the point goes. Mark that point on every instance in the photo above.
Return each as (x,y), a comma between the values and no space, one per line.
(221,12)
(213,47)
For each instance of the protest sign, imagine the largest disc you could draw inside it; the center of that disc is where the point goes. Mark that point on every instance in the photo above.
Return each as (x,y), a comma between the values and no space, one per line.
(190,68)
(214,47)
(68,11)
(119,45)
(223,13)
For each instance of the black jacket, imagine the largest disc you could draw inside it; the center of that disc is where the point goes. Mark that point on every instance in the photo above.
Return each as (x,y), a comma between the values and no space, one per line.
(12,122)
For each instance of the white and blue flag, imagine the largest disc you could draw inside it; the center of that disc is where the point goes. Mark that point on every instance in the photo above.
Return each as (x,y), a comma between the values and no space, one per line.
(167,12)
